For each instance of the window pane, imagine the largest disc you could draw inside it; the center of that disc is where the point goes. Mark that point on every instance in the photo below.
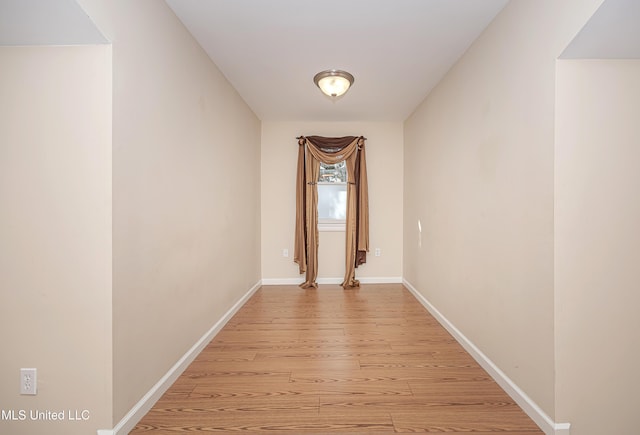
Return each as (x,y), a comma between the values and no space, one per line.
(333,173)
(332,201)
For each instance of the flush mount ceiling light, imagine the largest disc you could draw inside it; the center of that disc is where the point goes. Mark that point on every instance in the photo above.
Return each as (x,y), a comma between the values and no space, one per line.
(333,82)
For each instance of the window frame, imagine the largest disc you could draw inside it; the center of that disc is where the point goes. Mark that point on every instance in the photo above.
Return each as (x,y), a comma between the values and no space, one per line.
(331,224)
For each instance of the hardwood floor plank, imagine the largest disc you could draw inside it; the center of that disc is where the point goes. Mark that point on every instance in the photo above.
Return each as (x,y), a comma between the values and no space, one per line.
(364,355)
(413,403)
(528,432)
(263,335)
(464,418)
(213,378)
(274,424)
(223,356)
(255,404)
(381,388)
(464,387)
(425,374)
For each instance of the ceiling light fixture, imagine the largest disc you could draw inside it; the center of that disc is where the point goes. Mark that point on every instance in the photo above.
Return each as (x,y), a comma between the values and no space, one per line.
(333,82)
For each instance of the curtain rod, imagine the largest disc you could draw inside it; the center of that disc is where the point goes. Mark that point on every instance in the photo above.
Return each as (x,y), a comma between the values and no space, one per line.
(301,137)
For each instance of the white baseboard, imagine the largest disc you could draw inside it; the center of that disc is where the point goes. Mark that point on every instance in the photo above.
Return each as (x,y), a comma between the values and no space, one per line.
(143,406)
(562,429)
(363,280)
(381,280)
(283,281)
(548,426)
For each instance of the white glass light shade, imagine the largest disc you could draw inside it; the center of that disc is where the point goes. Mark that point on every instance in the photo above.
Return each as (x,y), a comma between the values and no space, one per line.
(333,83)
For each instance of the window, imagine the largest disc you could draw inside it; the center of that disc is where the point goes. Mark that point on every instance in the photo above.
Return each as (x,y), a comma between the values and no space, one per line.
(332,197)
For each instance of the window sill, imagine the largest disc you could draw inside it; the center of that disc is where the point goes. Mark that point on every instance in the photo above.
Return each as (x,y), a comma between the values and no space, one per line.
(331,225)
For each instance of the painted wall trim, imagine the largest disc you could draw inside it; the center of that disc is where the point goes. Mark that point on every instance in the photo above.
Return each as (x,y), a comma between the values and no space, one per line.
(143,406)
(548,426)
(363,280)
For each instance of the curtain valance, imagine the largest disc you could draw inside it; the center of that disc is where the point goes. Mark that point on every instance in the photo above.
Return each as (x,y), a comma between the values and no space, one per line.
(313,150)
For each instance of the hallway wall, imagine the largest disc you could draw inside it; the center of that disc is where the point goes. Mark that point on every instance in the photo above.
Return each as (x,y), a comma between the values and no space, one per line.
(186,193)
(479,178)
(55,235)
(597,245)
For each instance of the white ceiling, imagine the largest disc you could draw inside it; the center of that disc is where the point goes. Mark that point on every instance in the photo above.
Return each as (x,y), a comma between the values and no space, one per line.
(46,22)
(270,49)
(397,50)
(613,32)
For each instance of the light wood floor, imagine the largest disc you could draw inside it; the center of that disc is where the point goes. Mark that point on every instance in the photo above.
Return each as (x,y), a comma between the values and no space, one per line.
(370,360)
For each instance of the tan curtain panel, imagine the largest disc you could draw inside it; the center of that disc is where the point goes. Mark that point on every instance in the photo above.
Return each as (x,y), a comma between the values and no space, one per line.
(311,151)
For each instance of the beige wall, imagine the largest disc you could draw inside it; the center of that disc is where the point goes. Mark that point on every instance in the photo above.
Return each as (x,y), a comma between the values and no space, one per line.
(384,165)
(55,233)
(479,176)
(186,193)
(597,246)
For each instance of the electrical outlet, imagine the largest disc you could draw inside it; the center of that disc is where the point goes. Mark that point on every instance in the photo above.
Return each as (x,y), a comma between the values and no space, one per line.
(29,381)
(377,252)
(285,252)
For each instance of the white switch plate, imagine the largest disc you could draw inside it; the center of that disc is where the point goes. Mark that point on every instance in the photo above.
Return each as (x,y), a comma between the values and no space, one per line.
(285,252)
(29,381)
(377,252)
